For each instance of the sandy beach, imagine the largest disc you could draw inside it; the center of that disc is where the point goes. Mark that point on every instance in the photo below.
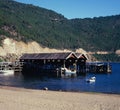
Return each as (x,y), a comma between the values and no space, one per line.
(26,99)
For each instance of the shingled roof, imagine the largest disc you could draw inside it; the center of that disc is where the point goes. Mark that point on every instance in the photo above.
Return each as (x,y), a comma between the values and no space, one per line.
(49,56)
(80,55)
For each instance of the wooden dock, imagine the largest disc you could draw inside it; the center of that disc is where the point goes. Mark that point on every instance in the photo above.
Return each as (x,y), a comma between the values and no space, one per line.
(16,66)
(98,67)
(53,70)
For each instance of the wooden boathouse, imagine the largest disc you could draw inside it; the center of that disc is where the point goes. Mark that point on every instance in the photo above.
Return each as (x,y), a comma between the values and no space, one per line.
(53,64)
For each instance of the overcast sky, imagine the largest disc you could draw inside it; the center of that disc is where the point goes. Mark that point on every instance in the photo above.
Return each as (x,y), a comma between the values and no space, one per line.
(79,8)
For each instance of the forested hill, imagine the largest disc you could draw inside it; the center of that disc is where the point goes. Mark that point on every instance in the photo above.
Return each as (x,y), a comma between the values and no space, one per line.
(30,23)
(101,33)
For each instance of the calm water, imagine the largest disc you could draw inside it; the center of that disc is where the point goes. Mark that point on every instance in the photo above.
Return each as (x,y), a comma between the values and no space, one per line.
(105,83)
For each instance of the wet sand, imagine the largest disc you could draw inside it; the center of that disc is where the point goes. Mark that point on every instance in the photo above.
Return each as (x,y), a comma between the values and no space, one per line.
(26,99)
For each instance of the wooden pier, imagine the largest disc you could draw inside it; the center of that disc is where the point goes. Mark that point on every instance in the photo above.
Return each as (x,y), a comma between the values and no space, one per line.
(98,67)
(70,67)
(15,66)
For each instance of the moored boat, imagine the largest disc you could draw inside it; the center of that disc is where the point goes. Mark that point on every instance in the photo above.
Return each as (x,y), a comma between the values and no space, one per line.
(68,72)
(7,72)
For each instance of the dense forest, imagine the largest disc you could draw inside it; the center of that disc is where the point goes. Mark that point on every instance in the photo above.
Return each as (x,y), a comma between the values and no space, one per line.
(31,23)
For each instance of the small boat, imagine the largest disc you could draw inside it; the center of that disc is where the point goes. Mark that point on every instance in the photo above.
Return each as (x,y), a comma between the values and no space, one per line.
(7,72)
(92,79)
(6,69)
(68,72)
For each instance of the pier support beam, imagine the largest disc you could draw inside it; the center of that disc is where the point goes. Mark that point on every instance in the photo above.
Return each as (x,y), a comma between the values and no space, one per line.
(64,63)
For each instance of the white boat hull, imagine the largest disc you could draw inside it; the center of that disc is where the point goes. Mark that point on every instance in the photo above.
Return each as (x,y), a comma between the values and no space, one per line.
(69,73)
(7,72)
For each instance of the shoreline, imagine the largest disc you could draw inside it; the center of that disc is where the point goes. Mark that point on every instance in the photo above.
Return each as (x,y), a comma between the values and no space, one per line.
(12,98)
(20,88)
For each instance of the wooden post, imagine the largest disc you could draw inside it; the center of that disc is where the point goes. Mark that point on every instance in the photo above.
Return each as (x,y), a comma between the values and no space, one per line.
(76,65)
(108,68)
(57,72)
(64,64)
(44,61)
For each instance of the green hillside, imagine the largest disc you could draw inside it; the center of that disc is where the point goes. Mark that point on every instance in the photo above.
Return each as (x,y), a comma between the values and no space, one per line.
(101,33)
(30,23)
(33,23)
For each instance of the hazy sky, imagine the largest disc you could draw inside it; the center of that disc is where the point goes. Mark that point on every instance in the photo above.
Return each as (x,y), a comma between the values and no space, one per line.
(79,8)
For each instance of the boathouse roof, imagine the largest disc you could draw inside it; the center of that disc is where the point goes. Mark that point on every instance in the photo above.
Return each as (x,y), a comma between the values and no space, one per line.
(42,56)
(79,55)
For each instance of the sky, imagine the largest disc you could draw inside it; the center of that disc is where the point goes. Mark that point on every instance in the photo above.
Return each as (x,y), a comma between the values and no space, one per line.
(79,8)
